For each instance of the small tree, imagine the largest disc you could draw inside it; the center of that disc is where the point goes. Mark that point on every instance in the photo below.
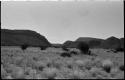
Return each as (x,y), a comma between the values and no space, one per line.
(24,46)
(84,47)
(65,54)
(121,67)
(43,47)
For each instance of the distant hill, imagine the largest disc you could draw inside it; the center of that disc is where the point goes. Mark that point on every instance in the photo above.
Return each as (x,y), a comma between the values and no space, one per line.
(87,39)
(56,45)
(92,42)
(19,37)
(111,42)
(32,38)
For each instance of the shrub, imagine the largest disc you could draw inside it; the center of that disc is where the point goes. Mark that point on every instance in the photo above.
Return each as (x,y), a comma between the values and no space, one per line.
(107,65)
(119,49)
(43,47)
(65,54)
(122,68)
(40,65)
(74,52)
(24,46)
(84,47)
(107,68)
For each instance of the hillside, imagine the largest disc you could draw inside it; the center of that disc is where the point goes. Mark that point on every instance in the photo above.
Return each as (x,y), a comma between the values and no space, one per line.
(19,37)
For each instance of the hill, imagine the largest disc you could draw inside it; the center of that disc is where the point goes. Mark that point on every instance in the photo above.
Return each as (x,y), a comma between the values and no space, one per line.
(87,39)
(56,45)
(110,43)
(20,37)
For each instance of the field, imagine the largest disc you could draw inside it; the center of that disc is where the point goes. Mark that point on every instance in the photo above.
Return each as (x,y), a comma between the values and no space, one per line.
(34,63)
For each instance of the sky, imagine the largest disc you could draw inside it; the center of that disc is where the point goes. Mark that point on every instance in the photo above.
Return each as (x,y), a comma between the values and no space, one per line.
(61,21)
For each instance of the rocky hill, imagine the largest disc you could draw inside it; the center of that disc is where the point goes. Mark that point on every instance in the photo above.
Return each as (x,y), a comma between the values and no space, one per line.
(20,37)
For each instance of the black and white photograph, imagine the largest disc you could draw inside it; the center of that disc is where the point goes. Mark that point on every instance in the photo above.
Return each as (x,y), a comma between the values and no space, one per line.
(62,39)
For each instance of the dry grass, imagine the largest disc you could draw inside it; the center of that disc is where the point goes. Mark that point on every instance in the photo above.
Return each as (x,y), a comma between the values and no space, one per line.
(34,63)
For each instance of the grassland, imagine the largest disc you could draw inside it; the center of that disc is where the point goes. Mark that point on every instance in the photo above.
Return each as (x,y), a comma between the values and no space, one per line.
(34,63)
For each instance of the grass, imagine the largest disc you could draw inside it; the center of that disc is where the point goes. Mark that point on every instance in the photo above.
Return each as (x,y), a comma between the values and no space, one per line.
(48,64)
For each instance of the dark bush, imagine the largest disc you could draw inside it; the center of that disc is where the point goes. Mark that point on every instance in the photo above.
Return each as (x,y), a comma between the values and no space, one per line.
(65,54)
(43,47)
(74,53)
(107,69)
(84,47)
(24,46)
(122,68)
(119,49)
(41,68)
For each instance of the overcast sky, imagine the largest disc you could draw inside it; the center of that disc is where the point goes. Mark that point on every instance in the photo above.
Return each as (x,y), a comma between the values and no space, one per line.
(61,21)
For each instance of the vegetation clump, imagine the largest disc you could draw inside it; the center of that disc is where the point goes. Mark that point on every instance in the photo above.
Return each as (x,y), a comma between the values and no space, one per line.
(107,65)
(43,47)
(119,49)
(122,67)
(84,47)
(65,54)
(24,46)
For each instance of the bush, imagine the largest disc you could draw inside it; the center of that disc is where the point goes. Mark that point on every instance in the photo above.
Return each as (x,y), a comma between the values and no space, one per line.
(84,47)
(107,65)
(24,46)
(43,47)
(119,49)
(122,68)
(65,54)
(74,53)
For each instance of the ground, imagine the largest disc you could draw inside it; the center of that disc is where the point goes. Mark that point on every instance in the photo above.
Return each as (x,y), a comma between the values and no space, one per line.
(34,63)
